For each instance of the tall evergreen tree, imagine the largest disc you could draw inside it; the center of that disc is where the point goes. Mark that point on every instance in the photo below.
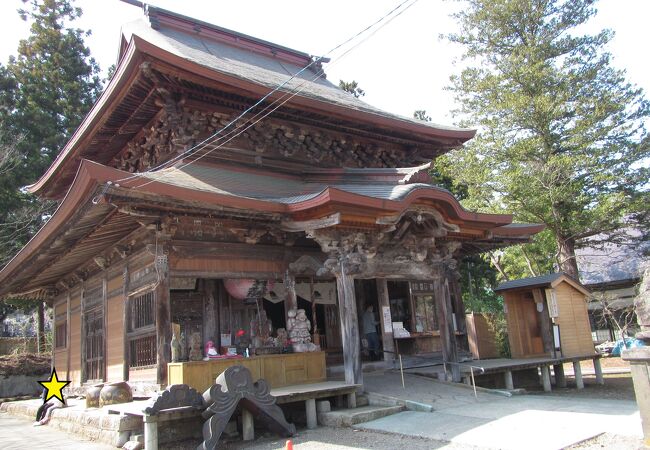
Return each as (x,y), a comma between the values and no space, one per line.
(561,130)
(46,90)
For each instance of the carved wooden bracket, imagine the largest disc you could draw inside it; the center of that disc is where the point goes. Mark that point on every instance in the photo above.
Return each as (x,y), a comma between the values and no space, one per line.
(175,396)
(233,387)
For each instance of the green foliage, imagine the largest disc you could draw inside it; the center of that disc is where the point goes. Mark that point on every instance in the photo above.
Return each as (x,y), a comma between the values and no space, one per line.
(561,131)
(421,114)
(352,87)
(45,91)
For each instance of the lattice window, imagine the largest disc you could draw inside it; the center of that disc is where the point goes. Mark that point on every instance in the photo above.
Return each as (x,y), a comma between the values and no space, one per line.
(61,335)
(142,330)
(94,344)
(142,311)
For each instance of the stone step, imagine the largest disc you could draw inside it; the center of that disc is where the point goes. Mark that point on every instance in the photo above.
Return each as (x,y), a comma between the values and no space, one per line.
(362,400)
(350,417)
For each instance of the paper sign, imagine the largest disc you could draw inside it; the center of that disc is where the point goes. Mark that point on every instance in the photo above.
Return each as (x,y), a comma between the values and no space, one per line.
(388,327)
(225,340)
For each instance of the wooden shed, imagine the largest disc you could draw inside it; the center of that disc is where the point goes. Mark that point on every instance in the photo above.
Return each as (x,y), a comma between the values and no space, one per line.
(547,317)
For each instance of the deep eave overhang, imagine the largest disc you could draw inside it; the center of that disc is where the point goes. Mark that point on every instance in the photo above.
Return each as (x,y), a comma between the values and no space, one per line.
(127,71)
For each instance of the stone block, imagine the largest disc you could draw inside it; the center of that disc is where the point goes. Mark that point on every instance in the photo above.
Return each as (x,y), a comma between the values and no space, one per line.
(133,445)
(323,406)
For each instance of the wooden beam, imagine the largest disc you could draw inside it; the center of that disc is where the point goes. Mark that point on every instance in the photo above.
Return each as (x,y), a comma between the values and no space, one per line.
(349,327)
(314,224)
(384,302)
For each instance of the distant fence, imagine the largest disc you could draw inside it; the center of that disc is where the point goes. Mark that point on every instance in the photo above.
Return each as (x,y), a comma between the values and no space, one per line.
(9,345)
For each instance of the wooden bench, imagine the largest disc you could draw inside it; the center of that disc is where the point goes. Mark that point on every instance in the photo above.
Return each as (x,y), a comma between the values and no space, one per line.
(310,392)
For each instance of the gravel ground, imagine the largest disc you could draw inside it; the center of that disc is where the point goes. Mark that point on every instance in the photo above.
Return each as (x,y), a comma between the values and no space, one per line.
(326,438)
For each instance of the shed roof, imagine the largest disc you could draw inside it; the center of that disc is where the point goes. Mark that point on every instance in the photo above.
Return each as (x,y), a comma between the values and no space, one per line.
(552,280)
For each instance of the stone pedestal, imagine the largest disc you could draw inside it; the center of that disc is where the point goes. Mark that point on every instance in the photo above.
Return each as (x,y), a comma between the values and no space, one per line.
(639,359)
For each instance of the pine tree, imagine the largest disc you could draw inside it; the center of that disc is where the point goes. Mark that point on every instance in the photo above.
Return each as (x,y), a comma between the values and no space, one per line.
(46,90)
(560,130)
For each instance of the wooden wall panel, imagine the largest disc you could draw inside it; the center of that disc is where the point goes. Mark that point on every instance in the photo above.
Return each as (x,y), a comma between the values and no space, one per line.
(143,375)
(575,332)
(115,339)
(115,283)
(481,338)
(61,362)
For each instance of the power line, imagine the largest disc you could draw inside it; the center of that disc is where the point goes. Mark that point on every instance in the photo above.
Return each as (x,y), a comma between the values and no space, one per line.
(216,136)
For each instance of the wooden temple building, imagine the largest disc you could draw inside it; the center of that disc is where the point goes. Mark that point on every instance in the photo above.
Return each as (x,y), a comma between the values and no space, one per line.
(164,205)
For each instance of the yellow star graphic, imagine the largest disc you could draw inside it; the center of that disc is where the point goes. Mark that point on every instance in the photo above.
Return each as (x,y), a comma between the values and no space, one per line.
(54,386)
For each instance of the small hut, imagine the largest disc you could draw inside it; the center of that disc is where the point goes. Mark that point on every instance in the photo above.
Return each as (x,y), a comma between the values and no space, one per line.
(547,317)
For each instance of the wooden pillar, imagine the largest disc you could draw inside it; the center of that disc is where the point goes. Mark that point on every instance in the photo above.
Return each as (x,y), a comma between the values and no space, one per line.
(349,326)
(82,345)
(598,369)
(104,373)
(560,378)
(459,306)
(68,334)
(577,370)
(447,333)
(386,336)
(126,317)
(210,312)
(163,323)
(40,332)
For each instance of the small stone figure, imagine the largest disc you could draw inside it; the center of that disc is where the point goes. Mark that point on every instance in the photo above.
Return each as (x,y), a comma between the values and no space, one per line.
(298,327)
(176,348)
(283,338)
(195,347)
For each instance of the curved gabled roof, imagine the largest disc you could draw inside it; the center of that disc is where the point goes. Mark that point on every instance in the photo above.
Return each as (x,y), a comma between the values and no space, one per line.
(216,54)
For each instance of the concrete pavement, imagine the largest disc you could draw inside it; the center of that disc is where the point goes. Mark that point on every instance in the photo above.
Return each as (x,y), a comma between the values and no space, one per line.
(492,421)
(17,433)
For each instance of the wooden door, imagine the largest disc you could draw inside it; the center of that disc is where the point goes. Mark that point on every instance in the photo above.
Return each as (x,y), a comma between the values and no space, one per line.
(525,329)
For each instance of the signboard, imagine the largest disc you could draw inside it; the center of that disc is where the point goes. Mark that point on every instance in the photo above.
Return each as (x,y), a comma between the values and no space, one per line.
(553,310)
(388,326)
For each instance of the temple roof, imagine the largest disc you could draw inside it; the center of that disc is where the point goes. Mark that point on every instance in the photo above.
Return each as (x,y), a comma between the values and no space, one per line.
(240,64)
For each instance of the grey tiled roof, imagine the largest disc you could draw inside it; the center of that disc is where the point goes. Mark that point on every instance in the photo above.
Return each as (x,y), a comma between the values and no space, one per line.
(542,280)
(277,189)
(255,67)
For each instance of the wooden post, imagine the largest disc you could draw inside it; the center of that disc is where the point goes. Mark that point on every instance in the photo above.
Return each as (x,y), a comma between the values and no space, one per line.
(82,344)
(68,334)
(290,286)
(577,370)
(41,328)
(349,326)
(104,373)
(163,323)
(598,369)
(560,378)
(507,377)
(546,378)
(459,306)
(447,333)
(210,312)
(386,336)
(126,317)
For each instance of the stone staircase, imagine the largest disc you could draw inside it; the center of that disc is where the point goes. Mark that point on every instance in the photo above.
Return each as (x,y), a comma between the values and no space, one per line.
(364,412)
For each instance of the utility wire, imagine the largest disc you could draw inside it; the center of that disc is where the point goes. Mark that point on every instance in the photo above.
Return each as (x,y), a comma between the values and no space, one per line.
(215,136)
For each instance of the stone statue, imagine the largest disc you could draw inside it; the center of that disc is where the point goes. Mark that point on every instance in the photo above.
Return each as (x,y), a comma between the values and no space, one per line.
(298,327)
(195,347)
(176,349)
